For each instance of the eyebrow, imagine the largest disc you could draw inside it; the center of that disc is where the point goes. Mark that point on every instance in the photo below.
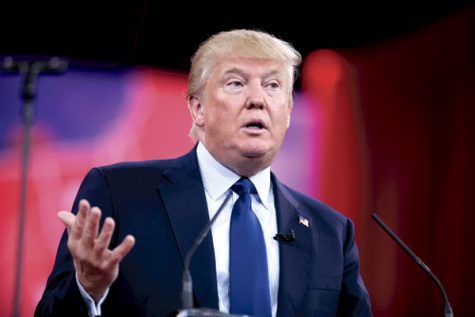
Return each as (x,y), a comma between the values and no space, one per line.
(241,72)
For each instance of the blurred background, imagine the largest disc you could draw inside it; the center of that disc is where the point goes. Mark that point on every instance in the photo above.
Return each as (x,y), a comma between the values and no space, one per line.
(383,122)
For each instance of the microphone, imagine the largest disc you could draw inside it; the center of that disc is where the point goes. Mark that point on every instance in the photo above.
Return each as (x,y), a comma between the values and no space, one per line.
(187,283)
(447,308)
(285,237)
(29,71)
(53,65)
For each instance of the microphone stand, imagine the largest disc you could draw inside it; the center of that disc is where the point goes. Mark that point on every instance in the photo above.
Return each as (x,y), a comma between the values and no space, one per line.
(187,283)
(447,308)
(29,71)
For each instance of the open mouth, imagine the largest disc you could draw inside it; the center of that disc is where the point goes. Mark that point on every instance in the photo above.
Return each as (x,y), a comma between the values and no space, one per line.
(255,125)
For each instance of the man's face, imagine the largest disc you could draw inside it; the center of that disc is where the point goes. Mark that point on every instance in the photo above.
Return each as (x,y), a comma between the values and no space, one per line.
(243,112)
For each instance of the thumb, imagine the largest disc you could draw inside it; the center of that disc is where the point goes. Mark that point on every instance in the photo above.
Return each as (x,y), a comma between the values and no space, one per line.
(66,218)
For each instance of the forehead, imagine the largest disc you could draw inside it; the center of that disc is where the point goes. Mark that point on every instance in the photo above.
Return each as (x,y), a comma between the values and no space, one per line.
(249,66)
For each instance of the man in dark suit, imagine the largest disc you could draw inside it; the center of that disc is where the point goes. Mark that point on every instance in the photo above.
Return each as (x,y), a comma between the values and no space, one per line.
(148,214)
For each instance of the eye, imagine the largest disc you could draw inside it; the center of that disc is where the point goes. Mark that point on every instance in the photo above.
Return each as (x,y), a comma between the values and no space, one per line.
(273,85)
(234,83)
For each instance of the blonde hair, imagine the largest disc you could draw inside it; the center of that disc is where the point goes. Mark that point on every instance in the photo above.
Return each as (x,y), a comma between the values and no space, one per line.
(246,43)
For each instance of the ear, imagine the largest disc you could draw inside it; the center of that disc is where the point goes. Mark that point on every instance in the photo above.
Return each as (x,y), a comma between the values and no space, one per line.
(291,106)
(196,111)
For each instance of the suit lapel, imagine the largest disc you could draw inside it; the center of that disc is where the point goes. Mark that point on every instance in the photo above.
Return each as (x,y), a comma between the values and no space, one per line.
(295,257)
(185,202)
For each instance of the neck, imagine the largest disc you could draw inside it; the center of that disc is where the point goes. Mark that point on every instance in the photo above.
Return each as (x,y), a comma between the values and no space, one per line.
(242,165)
(247,169)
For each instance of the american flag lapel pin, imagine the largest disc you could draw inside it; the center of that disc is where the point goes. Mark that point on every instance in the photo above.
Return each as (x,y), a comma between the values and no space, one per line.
(303,221)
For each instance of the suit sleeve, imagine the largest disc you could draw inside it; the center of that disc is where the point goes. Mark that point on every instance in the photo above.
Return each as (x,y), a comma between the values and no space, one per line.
(354,299)
(61,296)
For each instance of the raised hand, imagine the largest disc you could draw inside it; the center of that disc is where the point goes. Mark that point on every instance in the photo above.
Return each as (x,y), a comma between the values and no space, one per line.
(96,266)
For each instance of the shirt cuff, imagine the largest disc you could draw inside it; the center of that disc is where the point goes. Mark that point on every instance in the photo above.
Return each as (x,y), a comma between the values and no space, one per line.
(93,308)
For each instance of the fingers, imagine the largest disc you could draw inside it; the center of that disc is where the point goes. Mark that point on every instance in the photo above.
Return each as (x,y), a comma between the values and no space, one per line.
(91,226)
(85,237)
(122,250)
(104,238)
(78,227)
(85,225)
(103,241)
(67,218)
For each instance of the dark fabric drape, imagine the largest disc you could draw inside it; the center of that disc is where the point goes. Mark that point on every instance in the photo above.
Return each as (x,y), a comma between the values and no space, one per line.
(402,126)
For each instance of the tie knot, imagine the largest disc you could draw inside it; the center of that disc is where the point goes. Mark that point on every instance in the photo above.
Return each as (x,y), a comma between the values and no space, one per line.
(243,186)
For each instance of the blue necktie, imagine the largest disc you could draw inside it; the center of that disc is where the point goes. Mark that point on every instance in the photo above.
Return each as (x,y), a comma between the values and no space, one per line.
(248,277)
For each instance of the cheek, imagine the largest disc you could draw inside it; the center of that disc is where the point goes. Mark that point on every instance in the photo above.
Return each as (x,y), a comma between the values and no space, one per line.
(219,118)
(215,115)
(223,110)
(284,119)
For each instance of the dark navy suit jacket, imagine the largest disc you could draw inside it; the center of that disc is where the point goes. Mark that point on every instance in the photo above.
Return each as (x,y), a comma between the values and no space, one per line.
(163,204)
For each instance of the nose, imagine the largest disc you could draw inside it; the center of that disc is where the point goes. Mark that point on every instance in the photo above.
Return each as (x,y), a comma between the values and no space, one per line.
(255,96)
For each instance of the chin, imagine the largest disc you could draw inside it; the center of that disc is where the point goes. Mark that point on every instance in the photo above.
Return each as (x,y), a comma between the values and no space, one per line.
(256,148)
(264,154)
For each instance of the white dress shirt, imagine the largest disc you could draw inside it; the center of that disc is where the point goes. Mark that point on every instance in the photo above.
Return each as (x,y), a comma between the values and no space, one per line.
(217,181)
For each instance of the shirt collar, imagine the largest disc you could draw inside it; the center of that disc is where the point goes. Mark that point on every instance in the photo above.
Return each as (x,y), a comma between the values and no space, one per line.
(217,178)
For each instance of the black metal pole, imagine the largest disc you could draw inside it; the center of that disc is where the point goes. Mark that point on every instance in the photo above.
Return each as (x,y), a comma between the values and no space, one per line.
(29,71)
(27,123)
(447,308)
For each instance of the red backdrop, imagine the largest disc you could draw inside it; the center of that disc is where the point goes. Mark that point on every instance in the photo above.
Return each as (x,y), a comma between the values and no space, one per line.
(400,143)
